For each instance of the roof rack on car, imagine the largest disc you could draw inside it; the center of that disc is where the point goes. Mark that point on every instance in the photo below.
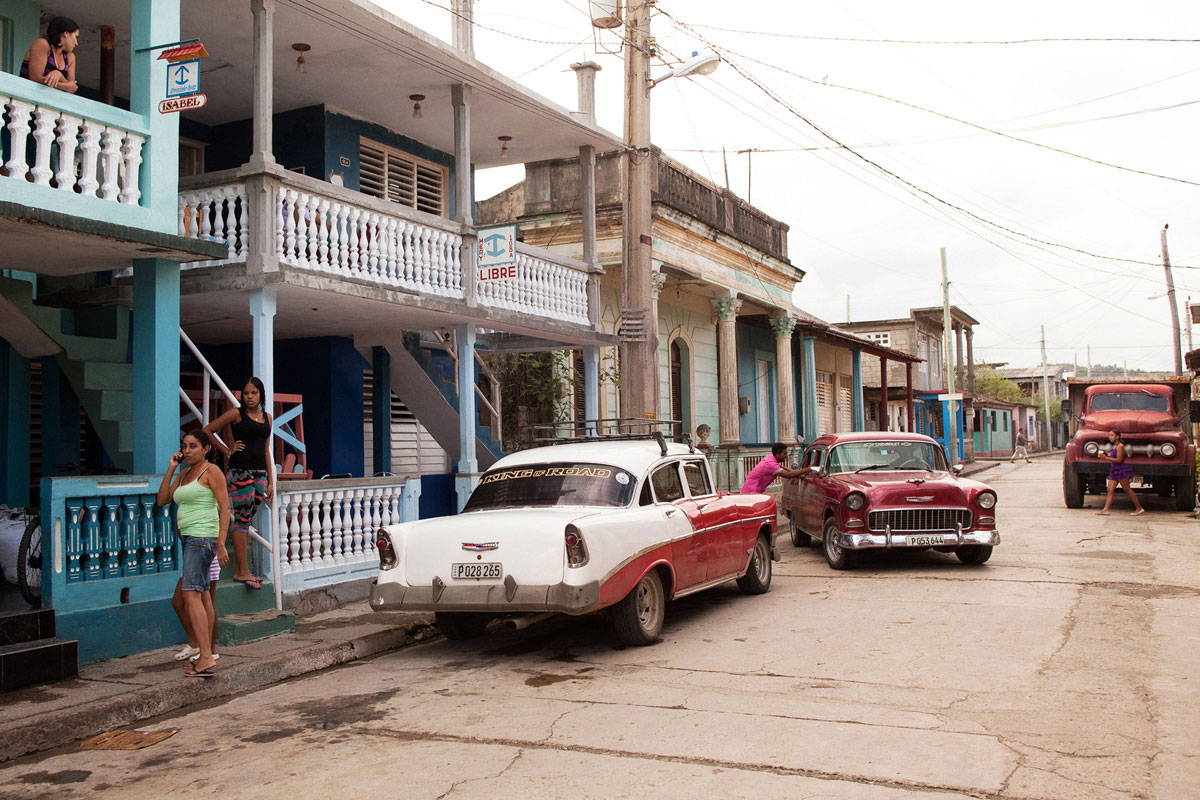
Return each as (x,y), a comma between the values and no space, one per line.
(591,430)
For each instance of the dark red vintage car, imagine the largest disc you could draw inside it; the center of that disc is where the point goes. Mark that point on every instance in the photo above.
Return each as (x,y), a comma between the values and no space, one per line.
(887,491)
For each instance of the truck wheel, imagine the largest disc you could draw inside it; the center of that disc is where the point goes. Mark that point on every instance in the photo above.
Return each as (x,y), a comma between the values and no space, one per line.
(1185,492)
(1072,487)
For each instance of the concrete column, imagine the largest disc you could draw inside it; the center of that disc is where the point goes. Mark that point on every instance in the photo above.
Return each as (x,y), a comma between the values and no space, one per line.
(262,313)
(971,359)
(908,382)
(591,385)
(468,465)
(725,309)
(154,22)
(587,188)
(859,418)
(785,385)
(464,208)
(462,18)
(585,83)
(885,419)
(261,151)
(14,427)
(958,357)
(155,363)
(381,409)
(808,388)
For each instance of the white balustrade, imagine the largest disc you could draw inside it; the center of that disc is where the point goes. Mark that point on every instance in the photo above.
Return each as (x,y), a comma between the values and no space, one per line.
(333,530)
(542,288)
(72,153)
(216,214)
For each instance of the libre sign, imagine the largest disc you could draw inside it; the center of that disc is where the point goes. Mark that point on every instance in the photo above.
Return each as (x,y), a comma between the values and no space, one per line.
(496,254)
(182,103)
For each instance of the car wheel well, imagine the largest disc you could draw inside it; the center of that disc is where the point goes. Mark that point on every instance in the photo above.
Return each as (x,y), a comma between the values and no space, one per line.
(668,579)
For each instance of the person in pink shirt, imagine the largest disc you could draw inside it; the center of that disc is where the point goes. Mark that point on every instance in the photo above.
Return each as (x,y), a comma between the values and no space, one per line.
(768,469)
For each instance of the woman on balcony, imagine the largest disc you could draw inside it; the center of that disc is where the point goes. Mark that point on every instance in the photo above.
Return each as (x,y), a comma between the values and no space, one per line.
(251,479)
(51,59)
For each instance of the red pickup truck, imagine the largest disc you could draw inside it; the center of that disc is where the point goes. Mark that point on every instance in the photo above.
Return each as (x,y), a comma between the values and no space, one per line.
(1151,419)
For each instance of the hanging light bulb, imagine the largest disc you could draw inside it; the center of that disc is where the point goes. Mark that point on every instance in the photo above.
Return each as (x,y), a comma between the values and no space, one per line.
(504,140)
(301,48)
(417,98)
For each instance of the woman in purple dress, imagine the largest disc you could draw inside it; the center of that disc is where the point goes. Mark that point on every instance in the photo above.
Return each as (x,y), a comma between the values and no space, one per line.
(1118,473)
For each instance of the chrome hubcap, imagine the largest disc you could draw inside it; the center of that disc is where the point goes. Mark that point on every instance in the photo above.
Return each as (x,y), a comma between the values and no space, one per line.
(646,603)
(761,557)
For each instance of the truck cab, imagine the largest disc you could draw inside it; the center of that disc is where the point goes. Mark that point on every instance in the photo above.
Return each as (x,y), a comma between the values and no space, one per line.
(1151,419)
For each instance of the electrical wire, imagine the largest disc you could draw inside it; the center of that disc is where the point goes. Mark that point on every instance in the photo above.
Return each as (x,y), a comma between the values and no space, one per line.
(1037,40)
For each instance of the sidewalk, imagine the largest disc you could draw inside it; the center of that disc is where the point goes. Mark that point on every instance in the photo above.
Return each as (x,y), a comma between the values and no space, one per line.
(123,691)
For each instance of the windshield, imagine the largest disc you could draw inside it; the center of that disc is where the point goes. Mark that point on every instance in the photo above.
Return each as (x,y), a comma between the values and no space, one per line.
(861,456)
(1130,401)
(553,485)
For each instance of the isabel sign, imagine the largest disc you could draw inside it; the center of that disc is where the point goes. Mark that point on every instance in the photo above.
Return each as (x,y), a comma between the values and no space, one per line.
(182,103)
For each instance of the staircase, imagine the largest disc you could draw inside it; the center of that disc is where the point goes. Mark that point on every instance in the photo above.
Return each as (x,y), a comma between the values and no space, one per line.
(30,652)
(97,366)
(429,393)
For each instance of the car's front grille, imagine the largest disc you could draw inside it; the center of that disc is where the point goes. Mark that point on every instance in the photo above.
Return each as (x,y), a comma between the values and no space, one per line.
(920,519)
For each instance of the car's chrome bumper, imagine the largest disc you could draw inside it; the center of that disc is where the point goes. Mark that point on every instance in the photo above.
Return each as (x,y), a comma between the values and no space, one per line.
(499,597)
(889,540)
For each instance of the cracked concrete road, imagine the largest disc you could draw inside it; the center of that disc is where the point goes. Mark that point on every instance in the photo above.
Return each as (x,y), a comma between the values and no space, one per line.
(1063,668)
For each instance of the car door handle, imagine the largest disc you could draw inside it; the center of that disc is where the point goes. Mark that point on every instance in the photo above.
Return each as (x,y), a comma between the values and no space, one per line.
(672,512)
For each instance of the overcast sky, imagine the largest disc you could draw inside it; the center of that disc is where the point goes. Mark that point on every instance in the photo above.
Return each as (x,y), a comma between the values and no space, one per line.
(861,233)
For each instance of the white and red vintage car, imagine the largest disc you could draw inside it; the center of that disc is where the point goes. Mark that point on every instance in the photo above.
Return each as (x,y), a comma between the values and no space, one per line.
(622,525)
(887,491)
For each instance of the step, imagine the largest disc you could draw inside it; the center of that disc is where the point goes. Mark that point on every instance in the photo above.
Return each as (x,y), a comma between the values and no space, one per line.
(241,628)
(42,661)
(17,627)
(102,375)
(238,598)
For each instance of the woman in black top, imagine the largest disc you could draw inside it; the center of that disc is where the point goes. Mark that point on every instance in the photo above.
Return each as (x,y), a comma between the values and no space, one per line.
(251,474)
(50,59)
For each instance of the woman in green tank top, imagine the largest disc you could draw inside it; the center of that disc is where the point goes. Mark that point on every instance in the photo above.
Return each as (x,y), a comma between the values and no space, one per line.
(202,516)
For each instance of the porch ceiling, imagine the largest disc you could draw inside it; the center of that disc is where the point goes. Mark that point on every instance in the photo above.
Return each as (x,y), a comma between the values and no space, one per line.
(50,243)
(364,62)
(306,309)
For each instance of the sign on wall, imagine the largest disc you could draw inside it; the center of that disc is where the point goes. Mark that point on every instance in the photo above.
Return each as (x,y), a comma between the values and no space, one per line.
(496,253)
(183,78)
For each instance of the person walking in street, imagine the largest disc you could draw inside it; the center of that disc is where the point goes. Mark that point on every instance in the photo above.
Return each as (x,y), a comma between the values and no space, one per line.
(1021,450)
(1119,473)
(770,468)
(202,518)
(251,471)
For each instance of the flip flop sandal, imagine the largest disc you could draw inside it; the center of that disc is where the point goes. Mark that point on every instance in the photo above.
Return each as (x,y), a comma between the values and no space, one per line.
(200,673)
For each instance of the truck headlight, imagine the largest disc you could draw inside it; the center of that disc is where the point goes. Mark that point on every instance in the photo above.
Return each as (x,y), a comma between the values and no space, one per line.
(1167,449)
(1091,449)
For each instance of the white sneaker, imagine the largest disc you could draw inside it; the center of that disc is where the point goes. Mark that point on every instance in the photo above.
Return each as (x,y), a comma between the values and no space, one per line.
(187,652)
(216,657)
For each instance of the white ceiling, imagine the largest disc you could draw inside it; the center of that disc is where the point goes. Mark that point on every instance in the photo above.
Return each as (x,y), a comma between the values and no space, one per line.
(364,62)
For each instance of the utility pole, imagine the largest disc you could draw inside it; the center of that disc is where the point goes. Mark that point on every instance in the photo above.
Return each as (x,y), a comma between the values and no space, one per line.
(948,358)
(1046,392)
(1175,338)
(1189,323)
(1089,362)
(847,308)
(639,334)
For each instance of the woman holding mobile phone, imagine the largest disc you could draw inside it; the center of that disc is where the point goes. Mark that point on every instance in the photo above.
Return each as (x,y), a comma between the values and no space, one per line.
(202,517)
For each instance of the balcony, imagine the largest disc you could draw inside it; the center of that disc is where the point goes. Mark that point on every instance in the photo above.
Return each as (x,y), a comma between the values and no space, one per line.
(326,230)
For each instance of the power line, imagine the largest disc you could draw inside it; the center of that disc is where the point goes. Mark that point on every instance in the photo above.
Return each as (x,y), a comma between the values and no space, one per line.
(1038,40)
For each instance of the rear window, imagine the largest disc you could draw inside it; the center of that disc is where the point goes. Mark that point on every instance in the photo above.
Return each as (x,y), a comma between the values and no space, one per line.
(553,485)
(1130,401)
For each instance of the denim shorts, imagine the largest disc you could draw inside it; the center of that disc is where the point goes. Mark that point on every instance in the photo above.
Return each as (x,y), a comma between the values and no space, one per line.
(198,555)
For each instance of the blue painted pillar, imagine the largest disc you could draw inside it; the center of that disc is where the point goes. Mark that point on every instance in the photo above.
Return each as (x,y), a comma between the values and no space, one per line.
(14,427)
(155,22)
(947,431)
(381,409)
(464,483)
(591,385)
(262,313)
(155,363)
(60,419)
(860,420)
(808,389)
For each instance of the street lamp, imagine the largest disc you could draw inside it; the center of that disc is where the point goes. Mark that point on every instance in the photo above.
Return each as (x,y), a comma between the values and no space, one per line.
(639,327)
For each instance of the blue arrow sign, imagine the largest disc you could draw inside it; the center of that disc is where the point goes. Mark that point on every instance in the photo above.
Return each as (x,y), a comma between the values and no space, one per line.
(183,78)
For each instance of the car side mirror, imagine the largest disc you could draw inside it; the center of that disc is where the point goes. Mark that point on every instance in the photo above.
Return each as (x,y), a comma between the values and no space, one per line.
(957,468)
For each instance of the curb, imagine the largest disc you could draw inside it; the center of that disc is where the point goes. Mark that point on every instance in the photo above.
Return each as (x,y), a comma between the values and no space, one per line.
(56,729)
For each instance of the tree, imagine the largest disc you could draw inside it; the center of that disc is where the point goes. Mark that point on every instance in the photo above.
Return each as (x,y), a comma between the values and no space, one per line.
(1056,414)
(990,383)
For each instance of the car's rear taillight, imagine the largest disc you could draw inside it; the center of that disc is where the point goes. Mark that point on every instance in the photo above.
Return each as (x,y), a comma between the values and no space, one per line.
(387,553)
(577,554)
